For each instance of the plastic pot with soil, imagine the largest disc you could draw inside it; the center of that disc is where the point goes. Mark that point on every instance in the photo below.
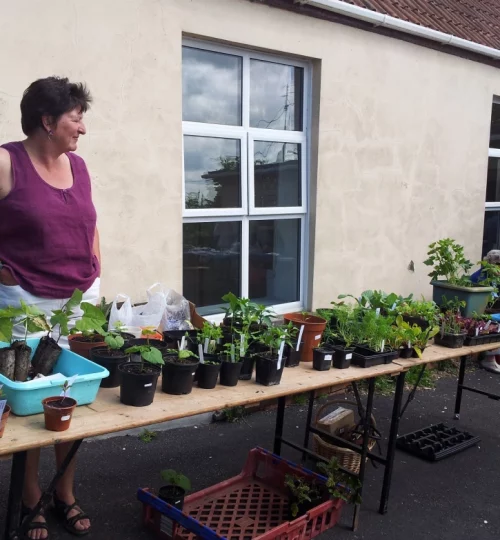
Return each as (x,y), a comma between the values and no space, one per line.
(342,357)
(230,370)
(23,361)
(82,343)
(247,365)
(293,355)
(268,368)
(178,372)
(322,358)
(8,362)
(313,331)
(175,489)
(58,411)
(110,359)
(208,372)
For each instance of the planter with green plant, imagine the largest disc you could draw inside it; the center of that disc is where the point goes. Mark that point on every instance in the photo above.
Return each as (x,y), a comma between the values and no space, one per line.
(232,361)
(178,371)
(424,313)
(448,261)
(175,489)
(139,379)
(88,331)
(58,410)
(4,412)
(303,495)
(314,327)
(373,346)
(293,350)
(110,357)
(451,333)
(269,364)
(208,371)
(411,340)
(345,330)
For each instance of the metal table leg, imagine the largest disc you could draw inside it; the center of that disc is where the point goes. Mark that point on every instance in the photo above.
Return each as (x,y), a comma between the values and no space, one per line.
(15,494)
(461,378)
(278,432)
(391,446)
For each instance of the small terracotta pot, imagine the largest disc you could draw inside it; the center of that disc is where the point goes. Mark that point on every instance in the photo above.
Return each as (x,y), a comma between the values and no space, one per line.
(58,418)
(83,347)
(313,332)
(3,420)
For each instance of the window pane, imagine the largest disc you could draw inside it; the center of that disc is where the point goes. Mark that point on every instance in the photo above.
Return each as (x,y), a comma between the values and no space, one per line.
(491,235)
(212,172)
(276,94)
(495,126)
(212,263)
(211,87)
(274,261)
(493,183)
(277,174)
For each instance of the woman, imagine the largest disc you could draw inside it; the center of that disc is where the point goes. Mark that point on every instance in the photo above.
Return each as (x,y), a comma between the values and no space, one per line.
(489,361)
(49,245)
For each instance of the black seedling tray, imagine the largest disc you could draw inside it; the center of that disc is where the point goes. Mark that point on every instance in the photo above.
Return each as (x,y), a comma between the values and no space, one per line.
(481,340)
(436,442)
(365,358)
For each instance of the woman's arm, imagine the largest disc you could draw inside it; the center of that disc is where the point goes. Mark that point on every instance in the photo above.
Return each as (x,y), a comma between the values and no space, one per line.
(97,246)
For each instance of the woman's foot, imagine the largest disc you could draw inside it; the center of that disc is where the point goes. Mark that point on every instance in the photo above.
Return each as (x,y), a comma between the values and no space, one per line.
(489,364)
(71,515)
(37,528)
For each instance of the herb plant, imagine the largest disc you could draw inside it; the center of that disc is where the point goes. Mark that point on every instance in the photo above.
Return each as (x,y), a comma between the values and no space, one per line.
(211,335)
(301,490)
(61,317)
(340,484)
(174,478)
(448,260)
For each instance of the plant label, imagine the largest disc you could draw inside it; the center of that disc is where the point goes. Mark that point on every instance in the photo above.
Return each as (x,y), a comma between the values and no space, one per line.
(3,402)
(232,352)
(183,343)
(200,353)
(242,345)
(328,357)
(487,325)
(280,354)
(377,312)
(205,350)
(382,346)
(348,356)
(299,339)
(65,418)
(318,337)
(393,306)
(477,332)
(409,344)
(147,385)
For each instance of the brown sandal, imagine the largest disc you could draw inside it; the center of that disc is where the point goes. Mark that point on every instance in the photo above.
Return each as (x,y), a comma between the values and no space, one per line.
(33,525)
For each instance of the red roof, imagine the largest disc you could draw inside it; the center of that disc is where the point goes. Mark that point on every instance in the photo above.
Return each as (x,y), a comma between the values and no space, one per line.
(474,20)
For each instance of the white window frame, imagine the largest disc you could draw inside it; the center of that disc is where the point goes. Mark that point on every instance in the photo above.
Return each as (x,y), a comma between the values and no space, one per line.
(248,135)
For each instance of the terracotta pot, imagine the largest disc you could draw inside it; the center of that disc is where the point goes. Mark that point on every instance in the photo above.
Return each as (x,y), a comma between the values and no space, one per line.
(313,331)
(83,347)
(58,418)
(3,421)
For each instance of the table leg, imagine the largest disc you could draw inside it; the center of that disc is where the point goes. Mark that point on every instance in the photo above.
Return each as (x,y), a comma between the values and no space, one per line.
(15,494)
(308,422)
(364,449)
(391,446)
(278,432)
(461,378)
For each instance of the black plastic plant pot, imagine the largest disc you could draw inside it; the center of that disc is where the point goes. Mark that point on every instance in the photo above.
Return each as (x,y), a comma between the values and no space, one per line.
(177,378)
(364,357)
(414,352)
(46,355)
(343,356)
(405,352)
(230,372)
(208,373)
(173,495)
(267,372)
(138,384)
(322,359)
(293,355)
(247,368)
(109,359)
(452,341)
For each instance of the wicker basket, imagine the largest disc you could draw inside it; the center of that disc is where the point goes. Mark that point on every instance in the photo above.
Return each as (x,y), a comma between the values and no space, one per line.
(347,459)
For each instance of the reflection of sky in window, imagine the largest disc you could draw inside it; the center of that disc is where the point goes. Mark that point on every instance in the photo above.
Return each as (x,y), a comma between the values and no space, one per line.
(204,154)
(272,95)
(275,152)
(211,87)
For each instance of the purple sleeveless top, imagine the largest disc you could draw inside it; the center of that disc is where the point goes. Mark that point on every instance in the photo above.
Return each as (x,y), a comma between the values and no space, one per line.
(47,234)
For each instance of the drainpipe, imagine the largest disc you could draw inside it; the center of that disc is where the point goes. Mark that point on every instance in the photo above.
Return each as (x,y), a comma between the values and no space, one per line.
(386,21)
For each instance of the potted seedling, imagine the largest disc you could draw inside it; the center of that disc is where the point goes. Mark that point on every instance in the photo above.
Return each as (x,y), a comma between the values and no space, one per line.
(58,410)
(323,356)
(401,337)
(232,361)
(346,329)
(88,331)
(178,371)
(303,495)
(4,412)
(451,332)
(314,327)
(420,338)
(423,312)
(373,348)
(270,363)
(48,350)
(296,342)
(175,489)
(447,259)
(139,379)
(111,357)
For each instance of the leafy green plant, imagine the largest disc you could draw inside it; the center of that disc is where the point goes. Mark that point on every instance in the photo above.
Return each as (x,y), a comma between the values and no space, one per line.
(301,491)
(7,318)
(61,317)
(231,353)
(183,355)
(33,319)
(414,336)
(148,353)
(209,334)
(91,322)
(447,258)
(374,330)
(234,414)
(385,302)
(424,309)
(340,484)
(273,336)
(147,436)
(114,341)
(346,325)
(174,478)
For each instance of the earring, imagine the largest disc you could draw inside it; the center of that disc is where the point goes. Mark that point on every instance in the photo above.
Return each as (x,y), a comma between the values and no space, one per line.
(49,134)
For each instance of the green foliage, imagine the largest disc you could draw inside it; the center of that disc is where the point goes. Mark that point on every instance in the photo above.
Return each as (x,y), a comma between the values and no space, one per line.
(427,310)
(300,399)
(340,485)
(175,478)
(234,414)
(92,321)
(414,335)
(374,330)
(212,333)
(114,341)
(301,491)
(182,354)
(241,310)
(149,354)
(62,316)
(346,325)
(231,353)
(273,336)
(147,436)
(386,302)
(448,260)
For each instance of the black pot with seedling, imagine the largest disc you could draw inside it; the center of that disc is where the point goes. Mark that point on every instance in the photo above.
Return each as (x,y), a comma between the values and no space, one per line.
(344,330)
(178,371)
(269,365)
(323,357)
(175,489)
(232,362)
(111,357)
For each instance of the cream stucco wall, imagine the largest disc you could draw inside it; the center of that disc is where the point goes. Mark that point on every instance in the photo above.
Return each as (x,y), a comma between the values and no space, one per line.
(401,138)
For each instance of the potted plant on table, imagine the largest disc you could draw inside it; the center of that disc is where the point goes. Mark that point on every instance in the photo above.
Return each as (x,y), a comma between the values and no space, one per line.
(58,410)
(270,363)
(4,412)
(423,312)
(448,261)
(323,356)
(111,357)
(451,332)
(346,331)
(88,331)
(232,361)
(411,340)
(373,347)
(313,331)
(178,371)
(175,489)
(139,379)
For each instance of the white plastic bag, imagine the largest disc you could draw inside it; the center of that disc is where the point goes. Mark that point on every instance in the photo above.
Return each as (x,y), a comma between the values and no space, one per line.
(151,313)
(124,314)
(177,313)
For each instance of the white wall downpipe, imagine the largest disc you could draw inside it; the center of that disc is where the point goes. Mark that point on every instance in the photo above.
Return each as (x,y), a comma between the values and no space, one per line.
(379,19)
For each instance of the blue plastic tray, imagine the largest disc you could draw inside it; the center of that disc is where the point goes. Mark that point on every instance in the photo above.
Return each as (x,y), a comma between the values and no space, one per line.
(27,399)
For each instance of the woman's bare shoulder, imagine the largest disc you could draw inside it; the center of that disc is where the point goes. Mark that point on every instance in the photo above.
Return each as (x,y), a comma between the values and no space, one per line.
(5,173)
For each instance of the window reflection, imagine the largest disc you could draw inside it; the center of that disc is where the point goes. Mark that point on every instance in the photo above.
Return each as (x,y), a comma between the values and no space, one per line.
(276,96)
(493,181)
(277,174)
(211,87)
(212,172)
(495,126)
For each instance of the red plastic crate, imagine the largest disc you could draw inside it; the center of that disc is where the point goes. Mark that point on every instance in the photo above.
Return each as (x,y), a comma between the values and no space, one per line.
(250,506)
